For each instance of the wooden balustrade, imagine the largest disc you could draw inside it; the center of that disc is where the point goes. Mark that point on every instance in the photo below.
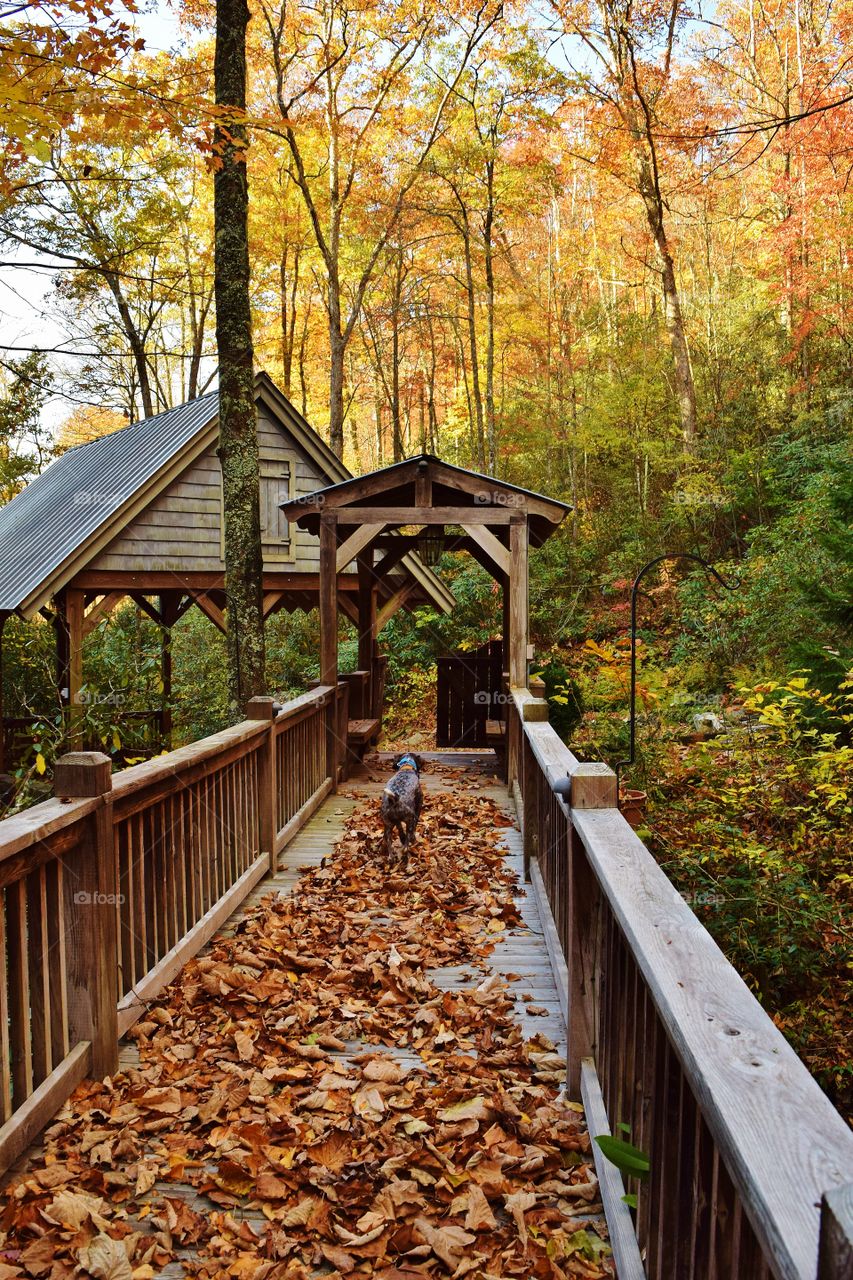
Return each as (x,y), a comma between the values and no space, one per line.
(666,1039)
(107,890)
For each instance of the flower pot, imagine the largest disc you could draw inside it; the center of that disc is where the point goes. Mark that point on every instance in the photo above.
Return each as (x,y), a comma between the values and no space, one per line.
(633,806)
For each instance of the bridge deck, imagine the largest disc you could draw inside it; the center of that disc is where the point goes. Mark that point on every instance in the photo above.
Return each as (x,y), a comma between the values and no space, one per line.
(359,1075)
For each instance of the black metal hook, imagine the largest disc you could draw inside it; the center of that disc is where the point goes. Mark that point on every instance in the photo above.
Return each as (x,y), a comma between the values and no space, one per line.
(668,555)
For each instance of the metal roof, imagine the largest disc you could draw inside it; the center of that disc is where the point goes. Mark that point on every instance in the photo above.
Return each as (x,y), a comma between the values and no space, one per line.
(81,496)
(82,490)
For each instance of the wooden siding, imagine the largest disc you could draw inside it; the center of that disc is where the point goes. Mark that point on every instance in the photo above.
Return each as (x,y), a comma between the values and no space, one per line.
(181,530)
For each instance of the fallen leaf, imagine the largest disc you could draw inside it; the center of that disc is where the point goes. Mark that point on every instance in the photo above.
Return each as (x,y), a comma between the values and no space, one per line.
(106,1259)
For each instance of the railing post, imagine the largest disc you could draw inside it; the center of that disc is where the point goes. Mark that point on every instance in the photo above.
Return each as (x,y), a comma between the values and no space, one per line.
(263,709)
(593,786)
(91,906)
(835,1252)
(330,711)
(342,723)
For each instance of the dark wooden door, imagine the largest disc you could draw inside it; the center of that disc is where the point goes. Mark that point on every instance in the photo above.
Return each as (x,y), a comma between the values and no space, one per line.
(469,692)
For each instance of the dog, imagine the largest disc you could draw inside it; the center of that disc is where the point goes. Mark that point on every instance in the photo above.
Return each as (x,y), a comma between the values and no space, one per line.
(402,801)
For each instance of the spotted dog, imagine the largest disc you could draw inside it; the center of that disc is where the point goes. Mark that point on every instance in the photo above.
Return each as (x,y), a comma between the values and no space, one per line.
(402,801)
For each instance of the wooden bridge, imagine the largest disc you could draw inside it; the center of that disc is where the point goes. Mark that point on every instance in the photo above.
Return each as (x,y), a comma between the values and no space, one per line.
(112,888)
(337,1072)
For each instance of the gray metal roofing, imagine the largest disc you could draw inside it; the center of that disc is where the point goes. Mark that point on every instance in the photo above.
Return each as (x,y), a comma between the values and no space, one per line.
(82,490)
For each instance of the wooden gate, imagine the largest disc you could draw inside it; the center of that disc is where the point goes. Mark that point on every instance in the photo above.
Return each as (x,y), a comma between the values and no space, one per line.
(469,692)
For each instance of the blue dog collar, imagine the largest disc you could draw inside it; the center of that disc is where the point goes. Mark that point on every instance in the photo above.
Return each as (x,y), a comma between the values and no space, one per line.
(407,762)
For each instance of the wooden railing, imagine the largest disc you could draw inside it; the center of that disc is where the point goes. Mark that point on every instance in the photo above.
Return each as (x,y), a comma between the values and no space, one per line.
(666,1039)
(108,889)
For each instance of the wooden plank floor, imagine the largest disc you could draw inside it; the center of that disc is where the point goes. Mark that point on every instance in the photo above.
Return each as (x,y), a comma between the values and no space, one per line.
(520,951)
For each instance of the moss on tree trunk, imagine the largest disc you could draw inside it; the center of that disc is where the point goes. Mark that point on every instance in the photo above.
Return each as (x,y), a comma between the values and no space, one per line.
(238,436)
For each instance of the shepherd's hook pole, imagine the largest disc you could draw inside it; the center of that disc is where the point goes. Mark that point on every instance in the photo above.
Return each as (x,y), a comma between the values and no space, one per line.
(668,555)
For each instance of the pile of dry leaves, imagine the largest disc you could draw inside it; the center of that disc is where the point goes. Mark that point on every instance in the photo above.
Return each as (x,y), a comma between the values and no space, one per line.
(309,1102)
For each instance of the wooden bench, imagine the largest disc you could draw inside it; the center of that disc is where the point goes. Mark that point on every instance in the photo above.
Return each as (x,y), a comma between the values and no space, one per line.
(361,734)
(496,738)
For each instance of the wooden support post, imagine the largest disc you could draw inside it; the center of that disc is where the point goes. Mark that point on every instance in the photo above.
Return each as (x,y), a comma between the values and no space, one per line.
(593,786)
(366,611)
(69,652)
(582,961)
(3,617)
(262,709)
(517,658)
(835,1254)
(92,912)
(328,600)
(169,603)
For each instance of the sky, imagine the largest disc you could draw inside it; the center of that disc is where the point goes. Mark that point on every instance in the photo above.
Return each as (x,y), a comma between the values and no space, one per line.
(27,319)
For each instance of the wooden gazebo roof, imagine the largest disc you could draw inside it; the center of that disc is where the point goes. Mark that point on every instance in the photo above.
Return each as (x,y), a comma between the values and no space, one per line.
(457,496)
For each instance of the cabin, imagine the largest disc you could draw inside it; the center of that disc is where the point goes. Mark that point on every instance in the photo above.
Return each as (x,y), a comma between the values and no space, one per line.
(137,514)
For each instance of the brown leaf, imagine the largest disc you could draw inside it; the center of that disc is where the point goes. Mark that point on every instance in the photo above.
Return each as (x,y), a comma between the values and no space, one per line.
(447,1243)
(245,1046)
(73,1208)
(339,1258)
(38,1256)
(106,1259)
(479,1216)
(517,1203)
(469,1109)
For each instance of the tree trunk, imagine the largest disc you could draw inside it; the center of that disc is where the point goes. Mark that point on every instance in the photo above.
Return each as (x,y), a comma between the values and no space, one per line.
(289,285)
(238,435)
(337,352)
(477,420)
(684,387)
(488,225)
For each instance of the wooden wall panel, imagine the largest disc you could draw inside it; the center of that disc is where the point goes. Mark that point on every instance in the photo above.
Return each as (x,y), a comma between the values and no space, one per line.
(181,530)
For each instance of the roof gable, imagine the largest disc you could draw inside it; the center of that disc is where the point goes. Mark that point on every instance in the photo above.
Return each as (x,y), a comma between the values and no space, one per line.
(83,492)
(395,486)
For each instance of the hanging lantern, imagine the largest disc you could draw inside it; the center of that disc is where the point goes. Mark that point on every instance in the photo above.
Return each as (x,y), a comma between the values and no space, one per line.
(430,548)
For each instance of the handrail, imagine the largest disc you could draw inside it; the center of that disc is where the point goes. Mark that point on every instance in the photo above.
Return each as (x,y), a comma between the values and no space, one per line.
(109,888)
(743,1142)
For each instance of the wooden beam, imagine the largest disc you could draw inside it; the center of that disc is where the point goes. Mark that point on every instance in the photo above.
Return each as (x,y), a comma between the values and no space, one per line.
(423,485)
(493,547)
(74,604)
(169,603)
(367,593)
(3,617)
(272,599)
(146,606)
(390,607)
(356,543)
(391,559)
(328,600)
(191,582)
(349,607)
(426,515)
(210,610)
(517,658)
(102,609)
